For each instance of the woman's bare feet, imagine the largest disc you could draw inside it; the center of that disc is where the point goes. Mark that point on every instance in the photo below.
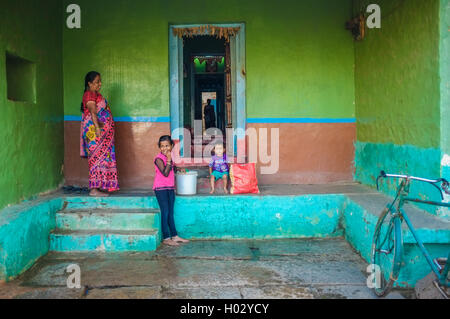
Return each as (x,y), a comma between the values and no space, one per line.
(225,191)
(178,239)
(212,191)
(170,242)
(96,193)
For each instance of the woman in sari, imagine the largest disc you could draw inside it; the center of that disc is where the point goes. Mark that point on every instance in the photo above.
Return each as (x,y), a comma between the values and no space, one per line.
(97,138)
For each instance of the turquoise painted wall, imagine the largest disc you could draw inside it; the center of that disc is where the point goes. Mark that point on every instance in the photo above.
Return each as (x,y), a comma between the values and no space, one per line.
(242,216)
(259,217)
(359,222)
(371,158)
(299,55)
(24,234)
(397,89)
(31,133)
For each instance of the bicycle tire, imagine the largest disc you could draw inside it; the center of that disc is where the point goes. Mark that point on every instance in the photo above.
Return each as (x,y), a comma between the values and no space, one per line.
(394,231)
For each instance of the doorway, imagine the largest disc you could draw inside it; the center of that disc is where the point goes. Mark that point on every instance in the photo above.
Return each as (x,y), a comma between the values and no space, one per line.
(204,67)
(204,85)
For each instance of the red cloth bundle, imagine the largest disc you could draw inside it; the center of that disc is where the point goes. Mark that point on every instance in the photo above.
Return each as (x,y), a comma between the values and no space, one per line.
(243,179)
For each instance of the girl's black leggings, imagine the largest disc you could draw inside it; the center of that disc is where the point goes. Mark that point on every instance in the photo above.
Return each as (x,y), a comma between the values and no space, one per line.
(166,201)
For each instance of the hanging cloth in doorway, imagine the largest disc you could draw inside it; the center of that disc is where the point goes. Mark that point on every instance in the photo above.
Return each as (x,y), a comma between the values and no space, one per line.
(218,32)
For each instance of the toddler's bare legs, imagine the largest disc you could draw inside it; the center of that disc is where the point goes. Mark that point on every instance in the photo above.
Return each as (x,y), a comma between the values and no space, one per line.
(212,184)
(225,183)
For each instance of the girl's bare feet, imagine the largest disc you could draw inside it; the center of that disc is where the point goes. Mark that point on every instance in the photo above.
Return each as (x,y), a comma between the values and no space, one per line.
(96,193)
(225,190)
(179,239)
(170,242)
(212,191)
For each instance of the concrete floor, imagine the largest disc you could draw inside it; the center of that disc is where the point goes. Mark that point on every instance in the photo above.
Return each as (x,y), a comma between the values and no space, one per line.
(346,188)
(256,269)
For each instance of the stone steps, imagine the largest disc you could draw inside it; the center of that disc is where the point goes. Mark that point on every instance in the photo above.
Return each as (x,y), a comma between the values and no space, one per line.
(117,219)
(107,240)
(106,229)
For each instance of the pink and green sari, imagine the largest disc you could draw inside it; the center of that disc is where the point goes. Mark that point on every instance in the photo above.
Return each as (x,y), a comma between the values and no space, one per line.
(99,150)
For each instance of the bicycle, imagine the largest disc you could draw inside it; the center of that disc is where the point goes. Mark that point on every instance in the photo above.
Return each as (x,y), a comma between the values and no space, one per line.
(387,244)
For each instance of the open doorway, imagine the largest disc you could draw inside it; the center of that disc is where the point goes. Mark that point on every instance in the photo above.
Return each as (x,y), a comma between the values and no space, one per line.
(204,86)
(212,113)
(207,62)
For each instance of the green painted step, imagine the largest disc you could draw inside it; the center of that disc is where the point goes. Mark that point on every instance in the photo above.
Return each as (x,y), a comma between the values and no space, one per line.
(104,240)
(113,202)
(101,218)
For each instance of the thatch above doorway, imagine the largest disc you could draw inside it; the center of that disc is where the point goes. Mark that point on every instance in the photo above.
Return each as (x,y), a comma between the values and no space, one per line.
(211,30)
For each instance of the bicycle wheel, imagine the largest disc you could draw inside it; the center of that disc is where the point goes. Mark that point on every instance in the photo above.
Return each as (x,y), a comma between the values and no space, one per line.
(387,249)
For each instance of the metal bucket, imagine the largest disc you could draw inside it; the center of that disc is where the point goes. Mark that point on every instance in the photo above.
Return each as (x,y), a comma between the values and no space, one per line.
(187,183)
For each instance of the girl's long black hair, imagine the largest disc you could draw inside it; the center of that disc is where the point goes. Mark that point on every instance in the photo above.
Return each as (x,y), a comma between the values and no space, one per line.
(90,77)
(165,138)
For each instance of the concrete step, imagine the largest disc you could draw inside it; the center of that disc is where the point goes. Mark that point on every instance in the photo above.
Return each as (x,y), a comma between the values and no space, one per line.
(203,180)
(104,240)
(121,200)
(204,186)
(114,219)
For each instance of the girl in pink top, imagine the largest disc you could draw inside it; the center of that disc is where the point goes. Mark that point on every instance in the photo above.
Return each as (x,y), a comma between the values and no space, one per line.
(164,187)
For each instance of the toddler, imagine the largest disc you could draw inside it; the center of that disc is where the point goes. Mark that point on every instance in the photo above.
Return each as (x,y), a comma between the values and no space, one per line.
(218,167)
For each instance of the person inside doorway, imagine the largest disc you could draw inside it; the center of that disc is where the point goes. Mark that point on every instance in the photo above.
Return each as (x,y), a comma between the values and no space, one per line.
(210,115)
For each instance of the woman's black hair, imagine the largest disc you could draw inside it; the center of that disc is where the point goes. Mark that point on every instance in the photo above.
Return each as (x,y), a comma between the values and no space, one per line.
(90,77)
(165,138)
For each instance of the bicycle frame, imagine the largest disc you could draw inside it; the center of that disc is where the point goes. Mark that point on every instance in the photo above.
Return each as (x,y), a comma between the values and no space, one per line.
(401,198)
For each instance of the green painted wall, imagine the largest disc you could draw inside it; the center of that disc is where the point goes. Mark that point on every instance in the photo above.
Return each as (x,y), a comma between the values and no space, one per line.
(299,55)
(398,103)
(396,78)
(444,57)
(31,133)
(445,75)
